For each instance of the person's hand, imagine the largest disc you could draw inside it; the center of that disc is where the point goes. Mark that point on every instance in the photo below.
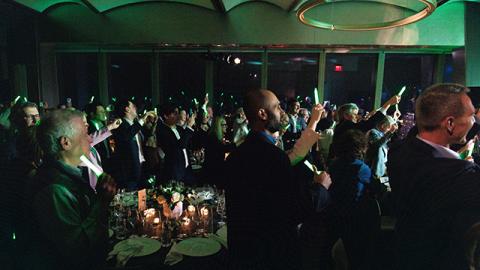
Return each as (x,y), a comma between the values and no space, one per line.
(317,112)
(393,128)
(322,178)
(205,100)
(397,114)
(106,188)
(394,100)
(115,124)
(148,114)
(191,120)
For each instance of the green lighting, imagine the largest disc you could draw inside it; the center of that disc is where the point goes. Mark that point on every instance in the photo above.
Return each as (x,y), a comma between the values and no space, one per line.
(14,236)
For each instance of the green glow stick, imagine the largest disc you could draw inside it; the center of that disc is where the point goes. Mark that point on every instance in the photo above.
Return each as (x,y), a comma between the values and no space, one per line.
(91,166)
(92,98)
(114,99)
(195,101)
(402,90)
(25,99)
(155,110)
(16,99)
(315,95)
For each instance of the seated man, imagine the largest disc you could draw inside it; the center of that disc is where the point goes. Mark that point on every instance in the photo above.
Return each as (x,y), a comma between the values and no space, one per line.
(69,221)
(436,194)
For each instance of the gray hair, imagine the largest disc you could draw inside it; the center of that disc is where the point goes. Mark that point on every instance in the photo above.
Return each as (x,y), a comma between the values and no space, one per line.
(52,127)
(437,102)
(346,109)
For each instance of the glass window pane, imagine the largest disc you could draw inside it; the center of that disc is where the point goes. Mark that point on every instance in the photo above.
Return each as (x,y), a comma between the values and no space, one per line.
(293,75)
(351,78)
(413,71)
(182,78)
(77,77)
(234,74)
(130,76)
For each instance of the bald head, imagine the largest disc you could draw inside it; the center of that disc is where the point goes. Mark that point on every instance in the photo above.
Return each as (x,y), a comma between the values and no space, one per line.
(262,108)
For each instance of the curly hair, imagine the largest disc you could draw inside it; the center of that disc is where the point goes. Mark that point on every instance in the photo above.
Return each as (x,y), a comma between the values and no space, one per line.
(351,145)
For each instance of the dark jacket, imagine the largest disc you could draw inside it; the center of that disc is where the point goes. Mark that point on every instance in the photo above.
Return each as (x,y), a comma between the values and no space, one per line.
(126,161)
(264,206)
(69,225)
(436,201)
(174,161)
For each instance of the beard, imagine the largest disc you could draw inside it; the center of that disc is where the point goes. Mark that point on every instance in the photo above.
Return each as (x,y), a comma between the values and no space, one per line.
(273,124)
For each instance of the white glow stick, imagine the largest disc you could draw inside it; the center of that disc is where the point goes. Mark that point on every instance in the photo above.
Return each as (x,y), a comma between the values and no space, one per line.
(309,165)
(155,110)
(402,90)
(315,94)
(90,165)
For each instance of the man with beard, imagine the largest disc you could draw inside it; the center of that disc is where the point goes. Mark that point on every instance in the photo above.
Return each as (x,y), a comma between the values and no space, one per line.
(265,202)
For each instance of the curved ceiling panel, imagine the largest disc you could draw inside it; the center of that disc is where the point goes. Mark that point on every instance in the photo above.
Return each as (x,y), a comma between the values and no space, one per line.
(41,6)
(105,5)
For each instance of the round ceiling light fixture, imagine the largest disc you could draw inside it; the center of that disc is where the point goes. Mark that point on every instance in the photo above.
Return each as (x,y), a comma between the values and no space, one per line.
(429,7)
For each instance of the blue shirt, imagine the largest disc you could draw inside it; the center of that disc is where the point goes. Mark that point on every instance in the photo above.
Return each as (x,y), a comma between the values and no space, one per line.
(269,137)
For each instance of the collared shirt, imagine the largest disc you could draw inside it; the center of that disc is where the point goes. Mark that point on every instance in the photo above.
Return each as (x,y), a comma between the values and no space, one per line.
(440,150)
(137,138)
(177,135)
(269,137)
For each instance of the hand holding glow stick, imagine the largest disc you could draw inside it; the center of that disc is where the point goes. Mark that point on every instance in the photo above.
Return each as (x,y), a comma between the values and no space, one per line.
(91,166)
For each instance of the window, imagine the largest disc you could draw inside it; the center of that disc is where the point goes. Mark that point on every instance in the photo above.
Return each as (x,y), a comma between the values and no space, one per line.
(77,77)
(351,78)
(182,78)
(130,76)
(235,73)
(415,71)
(293,75)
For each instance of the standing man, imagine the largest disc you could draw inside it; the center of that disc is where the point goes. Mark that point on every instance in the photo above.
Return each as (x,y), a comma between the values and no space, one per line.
(69,221)
(128,156)
(378,139)
(264,199)
(436,194)
(173,141)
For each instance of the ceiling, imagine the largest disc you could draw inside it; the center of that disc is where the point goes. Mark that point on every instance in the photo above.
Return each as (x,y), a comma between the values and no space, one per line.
(100,6)
(223,6)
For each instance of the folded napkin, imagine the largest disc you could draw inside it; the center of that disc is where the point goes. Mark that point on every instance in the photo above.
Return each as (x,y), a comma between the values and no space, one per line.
(124,252)
(173,256)
(219,239)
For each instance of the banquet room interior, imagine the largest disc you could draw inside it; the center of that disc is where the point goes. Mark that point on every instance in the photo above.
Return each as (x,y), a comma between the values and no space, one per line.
(168,189)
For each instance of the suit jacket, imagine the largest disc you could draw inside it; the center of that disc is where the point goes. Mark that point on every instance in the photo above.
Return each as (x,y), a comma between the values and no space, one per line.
(68,222)
(264,206)
(174,161)
(377,151)
(126,161)
(436,201)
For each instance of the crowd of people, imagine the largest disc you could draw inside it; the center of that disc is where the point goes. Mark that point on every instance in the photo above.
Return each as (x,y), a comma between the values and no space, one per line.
(296,179)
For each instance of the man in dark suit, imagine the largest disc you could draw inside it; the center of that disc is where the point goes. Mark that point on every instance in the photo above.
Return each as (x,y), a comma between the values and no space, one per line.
(436,193)
(173,140)
(265,202)
(128,156)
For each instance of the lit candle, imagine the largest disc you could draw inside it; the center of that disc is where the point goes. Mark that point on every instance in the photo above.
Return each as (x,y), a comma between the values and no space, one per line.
(204,211)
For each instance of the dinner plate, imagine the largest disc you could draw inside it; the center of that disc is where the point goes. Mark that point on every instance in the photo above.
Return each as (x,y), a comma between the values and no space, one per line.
(146,246)
(197,247)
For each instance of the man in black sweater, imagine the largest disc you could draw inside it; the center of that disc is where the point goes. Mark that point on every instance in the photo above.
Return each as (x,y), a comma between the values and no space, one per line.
(265,202)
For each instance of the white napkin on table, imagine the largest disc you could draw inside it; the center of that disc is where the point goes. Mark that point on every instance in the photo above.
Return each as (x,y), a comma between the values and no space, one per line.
(173,257)
(126,252)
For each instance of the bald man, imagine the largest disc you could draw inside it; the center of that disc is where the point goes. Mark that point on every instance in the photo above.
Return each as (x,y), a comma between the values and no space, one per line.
(265,202)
